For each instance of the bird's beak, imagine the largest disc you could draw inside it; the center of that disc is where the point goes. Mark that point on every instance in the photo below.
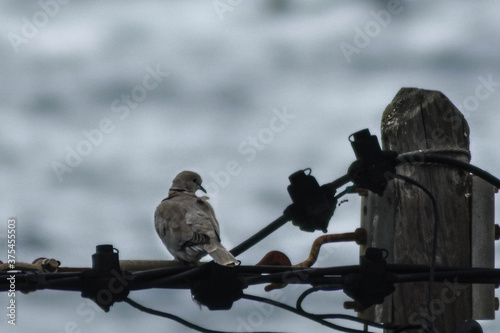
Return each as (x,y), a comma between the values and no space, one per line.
(201,188)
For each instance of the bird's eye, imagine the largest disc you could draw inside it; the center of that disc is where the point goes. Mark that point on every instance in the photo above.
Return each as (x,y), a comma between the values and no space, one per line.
(194,180)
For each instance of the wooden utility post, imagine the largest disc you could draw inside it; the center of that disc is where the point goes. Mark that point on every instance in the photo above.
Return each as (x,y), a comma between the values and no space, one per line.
(402,221)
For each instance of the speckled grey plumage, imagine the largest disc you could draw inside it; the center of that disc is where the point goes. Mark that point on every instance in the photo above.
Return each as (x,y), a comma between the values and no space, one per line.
(187,224)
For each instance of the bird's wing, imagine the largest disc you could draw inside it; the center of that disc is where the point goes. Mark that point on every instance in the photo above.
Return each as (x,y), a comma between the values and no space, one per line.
(172,223)
(208,225)
(206,213)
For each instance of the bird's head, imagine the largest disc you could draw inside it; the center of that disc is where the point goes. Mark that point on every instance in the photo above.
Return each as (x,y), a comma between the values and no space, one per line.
(187,181)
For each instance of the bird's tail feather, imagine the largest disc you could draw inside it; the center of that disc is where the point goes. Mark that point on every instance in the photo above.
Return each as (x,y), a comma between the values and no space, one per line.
(223,256)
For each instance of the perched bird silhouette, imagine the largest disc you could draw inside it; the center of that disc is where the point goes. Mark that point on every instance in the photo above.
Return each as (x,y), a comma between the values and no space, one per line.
(187,225)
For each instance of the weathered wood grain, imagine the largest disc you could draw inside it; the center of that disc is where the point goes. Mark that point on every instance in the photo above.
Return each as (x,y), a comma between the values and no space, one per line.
(419,120)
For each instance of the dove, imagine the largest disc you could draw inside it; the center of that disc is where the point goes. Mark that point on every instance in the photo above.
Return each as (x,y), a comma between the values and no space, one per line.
(187,224)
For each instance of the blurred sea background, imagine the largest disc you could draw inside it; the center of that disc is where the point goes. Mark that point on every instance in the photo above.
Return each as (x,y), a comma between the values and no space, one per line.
(224,71)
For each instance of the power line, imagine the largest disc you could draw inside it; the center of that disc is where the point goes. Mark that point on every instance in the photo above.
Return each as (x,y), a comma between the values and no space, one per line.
(370,171)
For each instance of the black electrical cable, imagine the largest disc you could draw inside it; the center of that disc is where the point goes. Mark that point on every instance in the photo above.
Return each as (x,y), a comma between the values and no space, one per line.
(303,314)
(348,189)
(181,277)
(304,275)
(175,318)
(279,222)
(253,298)
(333,276)
(143,279)
(417,158)
(432,269)
(341,181)
(264,232)
(464,275)
(309,291)
(347,317)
